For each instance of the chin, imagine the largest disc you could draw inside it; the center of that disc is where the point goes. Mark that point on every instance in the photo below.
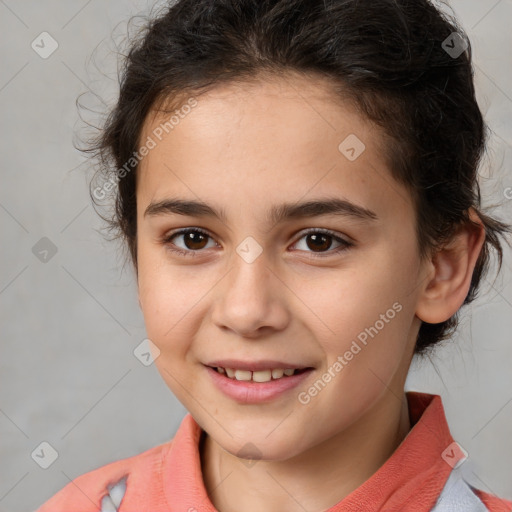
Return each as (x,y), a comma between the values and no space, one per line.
(259,447)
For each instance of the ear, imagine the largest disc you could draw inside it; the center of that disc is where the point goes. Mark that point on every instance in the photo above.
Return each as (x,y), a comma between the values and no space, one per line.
(451,270)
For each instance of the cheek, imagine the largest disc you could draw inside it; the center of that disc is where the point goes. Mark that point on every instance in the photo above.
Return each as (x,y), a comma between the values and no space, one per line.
(167,298)
(370,310)
(365,312)
(167,303)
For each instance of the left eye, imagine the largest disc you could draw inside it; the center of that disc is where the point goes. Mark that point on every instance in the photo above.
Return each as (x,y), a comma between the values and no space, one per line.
(320,240)
(317,240)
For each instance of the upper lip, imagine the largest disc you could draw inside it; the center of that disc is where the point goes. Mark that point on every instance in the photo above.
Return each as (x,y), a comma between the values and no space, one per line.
(254,366)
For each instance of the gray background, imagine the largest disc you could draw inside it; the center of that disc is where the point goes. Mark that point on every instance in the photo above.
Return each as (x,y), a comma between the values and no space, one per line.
(69,325)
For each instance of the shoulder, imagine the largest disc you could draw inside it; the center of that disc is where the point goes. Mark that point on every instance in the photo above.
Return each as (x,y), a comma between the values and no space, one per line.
(84,493)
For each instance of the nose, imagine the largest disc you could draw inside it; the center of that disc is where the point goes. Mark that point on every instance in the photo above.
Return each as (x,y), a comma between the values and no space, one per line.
(252,300)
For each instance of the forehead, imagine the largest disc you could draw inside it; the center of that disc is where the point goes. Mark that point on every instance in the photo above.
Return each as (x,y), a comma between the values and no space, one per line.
(290,134)
(288,112)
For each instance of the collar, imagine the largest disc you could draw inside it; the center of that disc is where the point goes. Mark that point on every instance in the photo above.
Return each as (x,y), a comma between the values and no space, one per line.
(414,475)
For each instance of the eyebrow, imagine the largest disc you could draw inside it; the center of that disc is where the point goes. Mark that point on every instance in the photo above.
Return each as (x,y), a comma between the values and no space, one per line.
(277,214)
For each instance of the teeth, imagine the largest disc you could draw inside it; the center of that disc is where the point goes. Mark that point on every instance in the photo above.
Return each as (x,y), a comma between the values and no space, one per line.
(258,376)
(277,373)
(262,376)
(243,375)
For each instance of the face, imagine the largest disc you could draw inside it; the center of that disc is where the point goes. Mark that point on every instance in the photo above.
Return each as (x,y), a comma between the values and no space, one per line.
(271,283)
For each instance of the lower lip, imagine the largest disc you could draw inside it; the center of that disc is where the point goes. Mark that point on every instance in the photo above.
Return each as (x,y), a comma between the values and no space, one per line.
(249,392)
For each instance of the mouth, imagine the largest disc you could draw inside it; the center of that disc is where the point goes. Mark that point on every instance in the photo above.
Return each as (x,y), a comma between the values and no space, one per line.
(261,376)
(257,382)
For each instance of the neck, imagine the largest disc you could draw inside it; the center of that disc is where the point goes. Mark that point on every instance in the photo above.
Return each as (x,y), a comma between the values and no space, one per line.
(314,480)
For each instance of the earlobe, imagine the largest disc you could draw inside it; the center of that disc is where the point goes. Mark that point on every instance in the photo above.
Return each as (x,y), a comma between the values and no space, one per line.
(453,264)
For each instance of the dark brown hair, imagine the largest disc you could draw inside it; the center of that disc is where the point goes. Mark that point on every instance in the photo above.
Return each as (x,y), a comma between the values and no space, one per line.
(390,58)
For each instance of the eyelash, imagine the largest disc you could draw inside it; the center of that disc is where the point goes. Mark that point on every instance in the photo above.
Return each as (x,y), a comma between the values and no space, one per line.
(166,240)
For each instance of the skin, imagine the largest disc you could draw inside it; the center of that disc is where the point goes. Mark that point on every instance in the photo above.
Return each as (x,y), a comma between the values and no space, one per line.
(245,149)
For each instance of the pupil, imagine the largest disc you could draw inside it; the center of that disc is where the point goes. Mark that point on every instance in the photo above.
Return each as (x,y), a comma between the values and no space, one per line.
(194,238)
(319,241)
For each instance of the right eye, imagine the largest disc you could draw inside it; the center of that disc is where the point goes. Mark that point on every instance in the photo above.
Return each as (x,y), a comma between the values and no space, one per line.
(193,240)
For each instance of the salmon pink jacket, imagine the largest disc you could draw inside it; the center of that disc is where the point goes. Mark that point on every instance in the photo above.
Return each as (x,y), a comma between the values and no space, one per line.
(422,475)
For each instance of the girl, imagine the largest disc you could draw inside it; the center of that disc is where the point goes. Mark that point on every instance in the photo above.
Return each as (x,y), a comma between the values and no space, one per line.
(297,189)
